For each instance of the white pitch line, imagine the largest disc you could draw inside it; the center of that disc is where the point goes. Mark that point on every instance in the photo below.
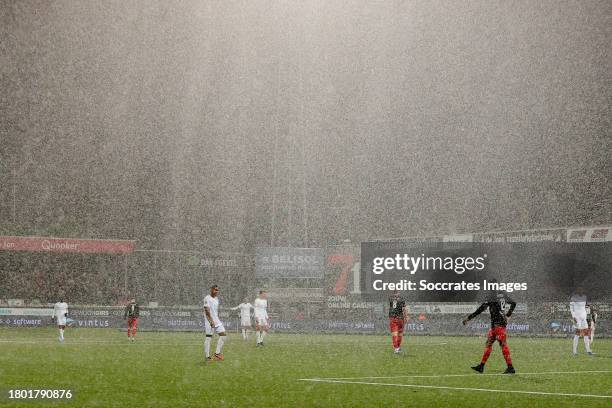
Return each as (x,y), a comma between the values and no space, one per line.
(97,343)
(408,345)
(454,375)
(441,387)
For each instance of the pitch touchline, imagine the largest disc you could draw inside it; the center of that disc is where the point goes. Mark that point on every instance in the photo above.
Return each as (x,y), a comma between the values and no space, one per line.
(441,387)
(454,375)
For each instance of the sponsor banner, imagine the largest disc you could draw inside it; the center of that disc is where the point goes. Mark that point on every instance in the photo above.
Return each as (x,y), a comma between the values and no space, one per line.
(66,245)
(454,308)
(350,326)
(556,235)
(356,321)
(330,326)
(24,321)
(458,238)
(351,302)
(442,308)
(417,240)
(457,241)
(603,327)
(356,303)
(112,317)
(598,234)
(564,307)
(296,294)
(287,325)
(342,270)
(18,311)
(289,262)
(211,261)
(514,326)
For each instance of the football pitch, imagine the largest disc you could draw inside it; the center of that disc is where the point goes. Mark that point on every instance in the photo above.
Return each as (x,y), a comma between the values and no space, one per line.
(102,369)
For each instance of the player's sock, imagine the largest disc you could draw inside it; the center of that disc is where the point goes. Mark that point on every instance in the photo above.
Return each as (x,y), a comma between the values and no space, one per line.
(486,354)
(399,341)
(220,344)
(394,340)
(258,337)
(263,334)
(575,345)
(207,341)
(587,343)
(61,334)
(244,334)
(506,353)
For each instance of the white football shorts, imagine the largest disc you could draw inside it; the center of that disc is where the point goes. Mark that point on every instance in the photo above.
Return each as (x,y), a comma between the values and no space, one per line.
(581,323)
(261,321)
(218,328)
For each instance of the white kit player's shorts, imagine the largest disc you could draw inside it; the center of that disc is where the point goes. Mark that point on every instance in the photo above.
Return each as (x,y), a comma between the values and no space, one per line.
(245,322)
(261,321)
(581,322)
(218,328)
(61,320)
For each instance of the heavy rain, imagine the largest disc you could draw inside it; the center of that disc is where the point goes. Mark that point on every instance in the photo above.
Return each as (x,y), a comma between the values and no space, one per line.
(152,149)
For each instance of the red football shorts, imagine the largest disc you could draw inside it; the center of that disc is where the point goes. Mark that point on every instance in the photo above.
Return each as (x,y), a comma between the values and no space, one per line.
(497,333)
(132,324)
(396,324)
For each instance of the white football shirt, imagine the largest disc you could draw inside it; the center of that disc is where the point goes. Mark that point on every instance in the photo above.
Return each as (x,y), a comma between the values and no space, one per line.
(212,303)
(578,305)
(260,308)
(245,310)
(60,309)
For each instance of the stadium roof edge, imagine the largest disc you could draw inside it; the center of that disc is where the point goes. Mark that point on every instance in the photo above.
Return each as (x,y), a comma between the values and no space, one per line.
(81,239)
(423,237)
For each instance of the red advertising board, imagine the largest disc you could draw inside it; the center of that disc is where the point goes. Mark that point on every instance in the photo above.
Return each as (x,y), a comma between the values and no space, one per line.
(46,244)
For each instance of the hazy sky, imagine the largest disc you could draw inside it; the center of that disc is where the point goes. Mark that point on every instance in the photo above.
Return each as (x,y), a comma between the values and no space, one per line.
(195,124)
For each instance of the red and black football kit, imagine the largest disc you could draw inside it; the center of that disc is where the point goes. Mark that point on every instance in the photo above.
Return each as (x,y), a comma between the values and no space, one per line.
(396,321)
(496,303)
(591,319)
(591,315)
(132,313)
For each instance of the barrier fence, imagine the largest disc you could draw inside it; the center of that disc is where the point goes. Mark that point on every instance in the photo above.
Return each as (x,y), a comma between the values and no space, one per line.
(528,322)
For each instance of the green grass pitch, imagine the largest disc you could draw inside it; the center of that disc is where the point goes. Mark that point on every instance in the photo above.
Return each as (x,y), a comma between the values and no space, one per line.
(166,370)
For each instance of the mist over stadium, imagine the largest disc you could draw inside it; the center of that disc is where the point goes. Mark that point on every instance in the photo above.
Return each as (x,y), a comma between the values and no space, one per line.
(152,149)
